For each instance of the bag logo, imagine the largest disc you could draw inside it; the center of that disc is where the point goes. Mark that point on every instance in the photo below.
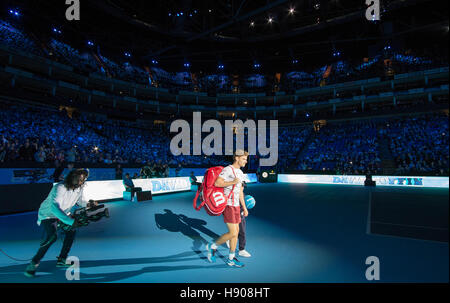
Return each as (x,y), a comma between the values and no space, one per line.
(218,198)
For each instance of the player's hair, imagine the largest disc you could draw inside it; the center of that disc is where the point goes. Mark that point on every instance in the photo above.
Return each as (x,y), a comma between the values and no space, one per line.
(239,153)
(71,180)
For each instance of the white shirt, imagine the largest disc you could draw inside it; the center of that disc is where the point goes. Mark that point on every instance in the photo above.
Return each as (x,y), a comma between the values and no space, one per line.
(228,175)
(64,199)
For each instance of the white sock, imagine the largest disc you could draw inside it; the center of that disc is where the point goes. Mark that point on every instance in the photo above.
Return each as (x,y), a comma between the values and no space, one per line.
(214,246)
(231,256)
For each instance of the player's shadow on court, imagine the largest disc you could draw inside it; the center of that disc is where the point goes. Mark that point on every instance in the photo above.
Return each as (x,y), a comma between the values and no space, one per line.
(48,272)
(189,227)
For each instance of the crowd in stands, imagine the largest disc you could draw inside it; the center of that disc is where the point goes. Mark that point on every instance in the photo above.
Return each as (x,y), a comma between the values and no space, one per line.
(68,55)
(43,136)
(13,37)
(123,71)
(291,141)
(418,145)
(386,64)
(349,148)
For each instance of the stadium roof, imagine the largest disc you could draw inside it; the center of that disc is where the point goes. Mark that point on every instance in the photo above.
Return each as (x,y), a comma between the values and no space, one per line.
(239,33)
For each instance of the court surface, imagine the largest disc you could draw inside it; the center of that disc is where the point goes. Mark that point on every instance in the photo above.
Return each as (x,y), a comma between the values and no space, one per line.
(295,233)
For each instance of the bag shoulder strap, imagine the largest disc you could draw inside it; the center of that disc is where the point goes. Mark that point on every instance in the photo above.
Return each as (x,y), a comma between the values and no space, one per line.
(232,190)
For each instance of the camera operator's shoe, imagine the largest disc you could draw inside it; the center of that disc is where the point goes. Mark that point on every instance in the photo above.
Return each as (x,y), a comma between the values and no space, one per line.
(61,262)
(30,271)
(210,253)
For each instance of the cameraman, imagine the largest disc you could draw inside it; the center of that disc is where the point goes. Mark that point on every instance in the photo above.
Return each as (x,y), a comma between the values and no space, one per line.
(56,207)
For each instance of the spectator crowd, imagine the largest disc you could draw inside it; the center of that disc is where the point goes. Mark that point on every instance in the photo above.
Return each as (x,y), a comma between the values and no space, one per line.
(89,60)
(418,145)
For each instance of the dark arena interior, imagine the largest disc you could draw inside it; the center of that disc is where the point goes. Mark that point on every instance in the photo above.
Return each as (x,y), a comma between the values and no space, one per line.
(331,115)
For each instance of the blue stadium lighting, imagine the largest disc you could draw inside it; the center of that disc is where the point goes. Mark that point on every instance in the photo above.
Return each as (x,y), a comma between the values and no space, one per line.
(187,65)
(307,115)
(154,62)
(190,15)
(295,61)
(170,14)
(90,43)
(14,12)
(220,66)
(181,14)
(178,15)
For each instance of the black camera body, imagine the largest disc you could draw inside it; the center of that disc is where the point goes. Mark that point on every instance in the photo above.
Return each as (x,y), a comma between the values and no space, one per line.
(85,215)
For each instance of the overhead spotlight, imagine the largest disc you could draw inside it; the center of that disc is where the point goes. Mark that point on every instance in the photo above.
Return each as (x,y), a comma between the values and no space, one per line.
(90,43)
(14,12)
(178,14)
(181,13)
(170,14)
(336,54)
(295,61)
(190,15)
(210,10)
(317,6)
(270,20)
(252,23)
(291,11)
(186,64)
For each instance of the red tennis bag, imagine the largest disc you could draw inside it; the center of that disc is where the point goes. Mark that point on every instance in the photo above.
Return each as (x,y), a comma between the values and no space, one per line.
(211,197)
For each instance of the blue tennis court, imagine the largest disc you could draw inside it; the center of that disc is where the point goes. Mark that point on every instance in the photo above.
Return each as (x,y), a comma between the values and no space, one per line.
(296,233)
